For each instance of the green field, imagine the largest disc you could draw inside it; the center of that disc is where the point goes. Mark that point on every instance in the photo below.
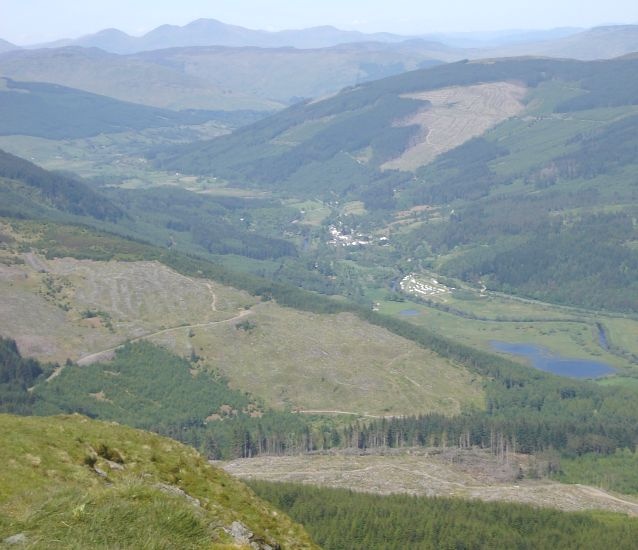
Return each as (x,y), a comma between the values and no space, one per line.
(477,318)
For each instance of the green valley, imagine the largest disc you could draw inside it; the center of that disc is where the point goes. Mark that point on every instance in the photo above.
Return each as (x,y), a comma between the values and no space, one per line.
(352,267)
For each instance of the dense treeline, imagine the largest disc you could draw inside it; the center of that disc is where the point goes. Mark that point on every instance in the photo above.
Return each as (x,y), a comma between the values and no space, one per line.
(338,519)
(64,192)
(604,151)
(617,471)
(148,387)
(462,173)
(144,386)
(217,225)
(371,127)
(586,262)
(17,375)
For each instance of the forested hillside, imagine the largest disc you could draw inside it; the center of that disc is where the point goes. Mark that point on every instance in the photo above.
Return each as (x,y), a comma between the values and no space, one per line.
(27,189)
(342,519)
(57,112)
(334,132)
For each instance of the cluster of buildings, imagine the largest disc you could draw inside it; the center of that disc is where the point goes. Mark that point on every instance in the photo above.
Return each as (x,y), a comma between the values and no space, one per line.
(423,288)
(340,237)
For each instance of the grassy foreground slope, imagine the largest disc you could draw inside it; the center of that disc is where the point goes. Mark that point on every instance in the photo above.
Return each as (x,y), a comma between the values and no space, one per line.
(69,482)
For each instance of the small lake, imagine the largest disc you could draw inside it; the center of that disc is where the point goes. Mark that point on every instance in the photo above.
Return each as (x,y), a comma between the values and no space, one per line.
(543,359)
(409,312)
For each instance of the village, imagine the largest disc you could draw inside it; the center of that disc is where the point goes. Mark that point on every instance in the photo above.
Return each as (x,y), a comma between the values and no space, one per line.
(412,284)
(342,237)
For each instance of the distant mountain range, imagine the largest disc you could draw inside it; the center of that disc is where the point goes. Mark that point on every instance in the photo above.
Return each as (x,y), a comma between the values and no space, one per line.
(597,43)
(210,65)
(221,78)
(210,32)
(500,38)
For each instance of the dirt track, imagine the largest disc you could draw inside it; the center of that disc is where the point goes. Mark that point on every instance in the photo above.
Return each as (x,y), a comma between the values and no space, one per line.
(93,357)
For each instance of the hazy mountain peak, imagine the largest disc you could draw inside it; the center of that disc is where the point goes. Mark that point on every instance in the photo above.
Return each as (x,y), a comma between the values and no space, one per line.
(7,46)
(206,22)
(111,32)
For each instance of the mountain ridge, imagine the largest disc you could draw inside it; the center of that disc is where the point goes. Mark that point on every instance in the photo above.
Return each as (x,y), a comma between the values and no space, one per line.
(54,111)
(603,41)
(209,32)
(219,77)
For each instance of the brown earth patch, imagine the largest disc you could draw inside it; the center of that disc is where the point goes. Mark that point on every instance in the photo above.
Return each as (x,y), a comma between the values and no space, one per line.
(457,114)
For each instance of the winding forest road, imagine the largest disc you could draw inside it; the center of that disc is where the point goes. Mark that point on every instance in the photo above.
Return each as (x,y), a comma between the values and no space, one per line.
(105,353)
(88,359)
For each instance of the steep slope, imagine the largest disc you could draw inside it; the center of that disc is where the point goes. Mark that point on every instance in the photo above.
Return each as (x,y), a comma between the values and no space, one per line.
(27,189)
(73,482)
(56,112)
(83,310)
(336,146)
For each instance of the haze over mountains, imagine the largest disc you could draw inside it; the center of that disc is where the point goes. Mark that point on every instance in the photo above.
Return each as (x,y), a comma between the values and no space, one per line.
(210,65)
(210,32)
(216,77)
(599,42)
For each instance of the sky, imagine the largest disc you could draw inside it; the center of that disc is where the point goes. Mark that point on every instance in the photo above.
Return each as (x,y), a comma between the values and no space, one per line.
(33,21)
